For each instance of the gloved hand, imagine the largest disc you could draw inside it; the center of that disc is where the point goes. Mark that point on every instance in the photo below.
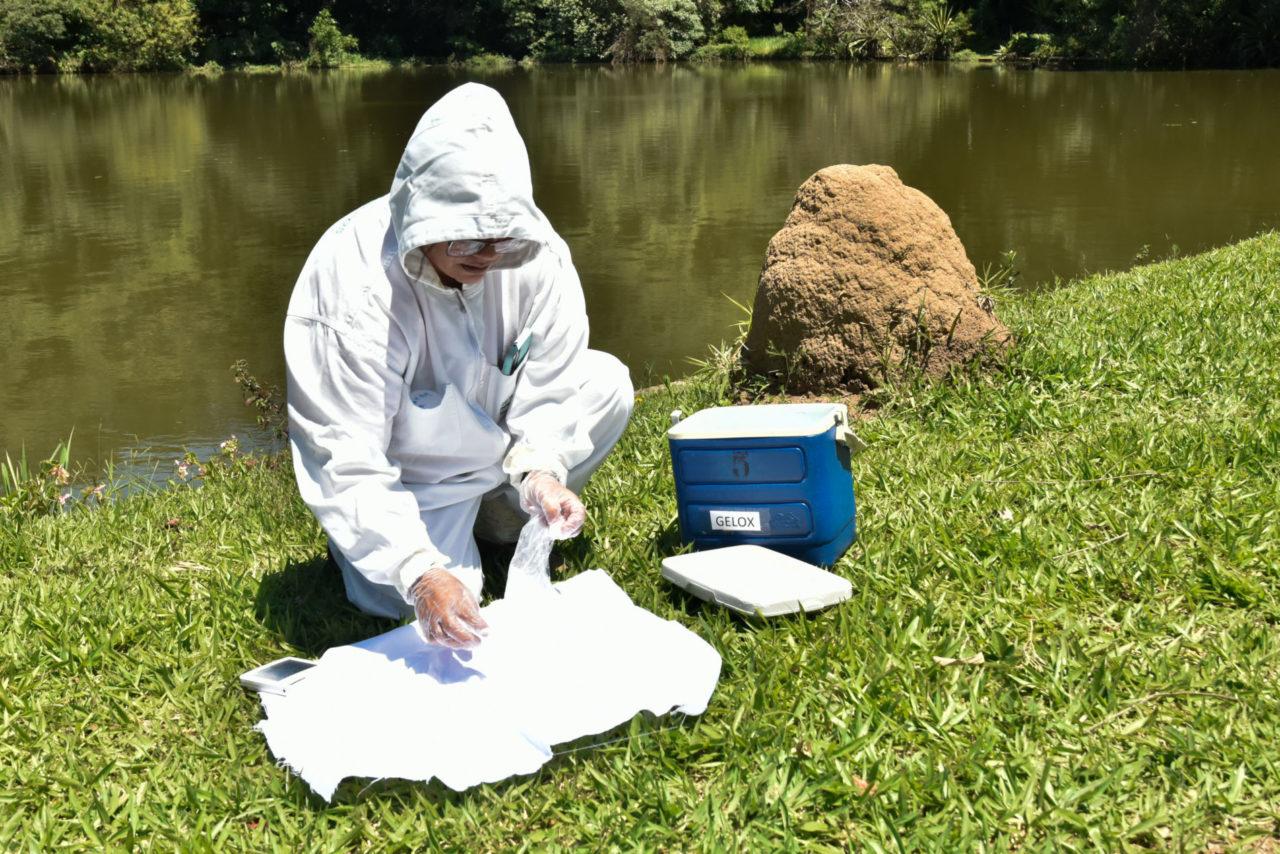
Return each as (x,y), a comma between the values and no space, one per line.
(448,614)
(541,494)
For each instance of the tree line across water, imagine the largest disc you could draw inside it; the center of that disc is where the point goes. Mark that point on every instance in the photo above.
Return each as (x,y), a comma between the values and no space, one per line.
(125,35)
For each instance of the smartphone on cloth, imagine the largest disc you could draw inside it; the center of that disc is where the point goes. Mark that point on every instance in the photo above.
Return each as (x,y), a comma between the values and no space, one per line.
(276,677)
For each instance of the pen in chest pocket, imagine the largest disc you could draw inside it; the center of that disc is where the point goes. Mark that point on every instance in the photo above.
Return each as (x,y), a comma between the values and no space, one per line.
(516,353)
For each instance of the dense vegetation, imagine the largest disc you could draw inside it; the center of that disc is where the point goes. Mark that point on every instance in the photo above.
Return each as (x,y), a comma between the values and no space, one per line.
(92,35)
(1062,635)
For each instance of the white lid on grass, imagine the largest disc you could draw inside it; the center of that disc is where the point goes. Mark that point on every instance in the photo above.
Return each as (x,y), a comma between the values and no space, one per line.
(755,580)
(761,420)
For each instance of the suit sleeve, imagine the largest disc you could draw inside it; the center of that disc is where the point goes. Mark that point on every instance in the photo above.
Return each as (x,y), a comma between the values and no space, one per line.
(343,394)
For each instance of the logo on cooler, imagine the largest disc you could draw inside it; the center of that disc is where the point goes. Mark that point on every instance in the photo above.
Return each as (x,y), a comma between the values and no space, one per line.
(735,520)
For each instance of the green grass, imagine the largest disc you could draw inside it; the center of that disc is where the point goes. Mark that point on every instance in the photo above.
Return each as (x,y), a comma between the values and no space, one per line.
(1100,520)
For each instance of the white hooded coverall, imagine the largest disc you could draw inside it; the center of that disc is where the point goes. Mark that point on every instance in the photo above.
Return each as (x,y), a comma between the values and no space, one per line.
(401,420)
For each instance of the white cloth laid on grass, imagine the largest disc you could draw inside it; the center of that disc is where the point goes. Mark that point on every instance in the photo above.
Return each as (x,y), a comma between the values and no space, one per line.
(554,666)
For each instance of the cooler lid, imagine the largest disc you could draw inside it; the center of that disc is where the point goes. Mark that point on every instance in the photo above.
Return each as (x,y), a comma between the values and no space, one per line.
(759,421)
(754,580)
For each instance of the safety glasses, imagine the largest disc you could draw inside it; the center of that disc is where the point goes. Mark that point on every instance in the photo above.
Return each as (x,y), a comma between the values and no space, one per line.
(502,246)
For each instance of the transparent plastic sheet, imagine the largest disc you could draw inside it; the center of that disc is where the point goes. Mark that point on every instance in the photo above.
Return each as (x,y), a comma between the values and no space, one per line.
(530,571)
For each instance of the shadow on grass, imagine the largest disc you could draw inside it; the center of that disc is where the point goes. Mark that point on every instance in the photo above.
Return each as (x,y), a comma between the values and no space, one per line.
(684,602)
(667,542)
(306,605)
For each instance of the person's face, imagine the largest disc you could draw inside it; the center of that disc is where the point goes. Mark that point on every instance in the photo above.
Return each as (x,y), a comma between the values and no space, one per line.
(465,270)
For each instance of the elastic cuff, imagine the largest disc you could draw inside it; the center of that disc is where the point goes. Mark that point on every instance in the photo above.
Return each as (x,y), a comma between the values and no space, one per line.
(413,569)
(523,459)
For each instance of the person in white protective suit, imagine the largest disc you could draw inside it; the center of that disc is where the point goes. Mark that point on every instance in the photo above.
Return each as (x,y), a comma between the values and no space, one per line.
(439,381)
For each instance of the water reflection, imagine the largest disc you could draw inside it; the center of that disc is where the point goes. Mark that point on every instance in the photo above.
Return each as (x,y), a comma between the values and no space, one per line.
(152,226)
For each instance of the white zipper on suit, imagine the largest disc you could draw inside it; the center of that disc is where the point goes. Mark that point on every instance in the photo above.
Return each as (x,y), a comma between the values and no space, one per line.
(481,378)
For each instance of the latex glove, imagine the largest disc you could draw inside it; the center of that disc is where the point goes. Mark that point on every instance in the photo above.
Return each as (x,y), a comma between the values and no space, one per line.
(541,494)
(448,614)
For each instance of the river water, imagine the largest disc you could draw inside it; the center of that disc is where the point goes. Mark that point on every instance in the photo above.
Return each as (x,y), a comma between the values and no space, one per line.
(151,227)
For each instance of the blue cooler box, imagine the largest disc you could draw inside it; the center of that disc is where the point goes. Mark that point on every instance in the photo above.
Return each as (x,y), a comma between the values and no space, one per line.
(774,475)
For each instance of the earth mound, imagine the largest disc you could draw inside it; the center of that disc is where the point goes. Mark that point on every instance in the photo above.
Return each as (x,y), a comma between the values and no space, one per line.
(866,277)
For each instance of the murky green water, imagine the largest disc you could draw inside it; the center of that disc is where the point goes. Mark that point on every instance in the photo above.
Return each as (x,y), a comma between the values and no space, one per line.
(151,227)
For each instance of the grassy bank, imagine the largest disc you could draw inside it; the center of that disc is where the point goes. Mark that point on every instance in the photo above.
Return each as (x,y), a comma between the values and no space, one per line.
(1101,522)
